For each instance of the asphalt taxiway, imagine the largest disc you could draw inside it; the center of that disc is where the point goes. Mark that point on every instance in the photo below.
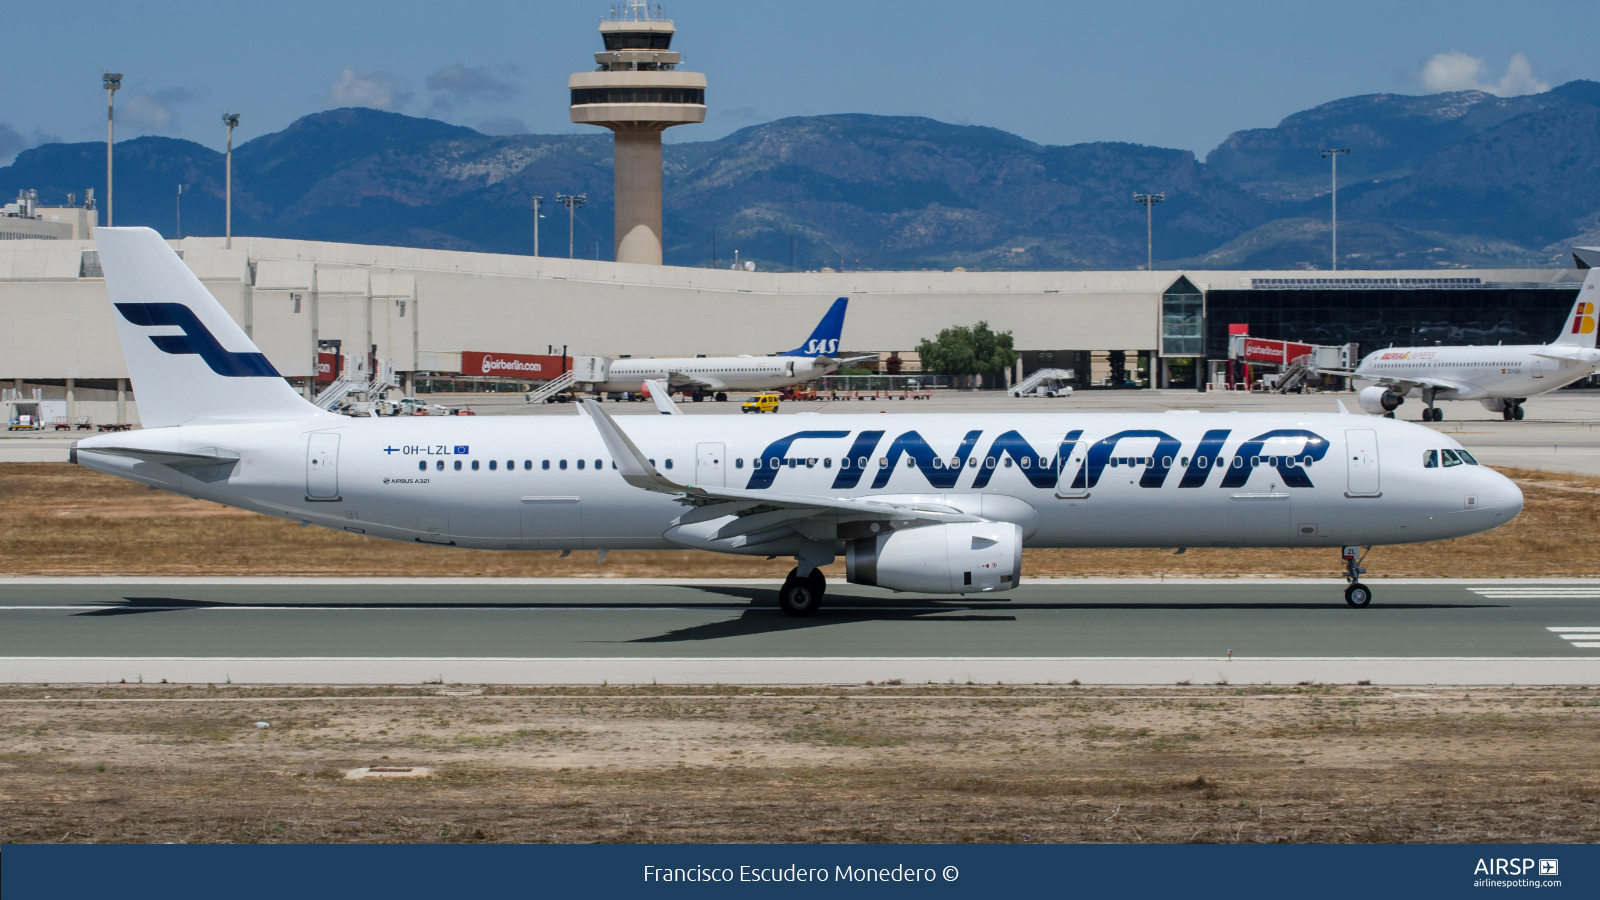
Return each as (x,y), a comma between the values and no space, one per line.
(582,631)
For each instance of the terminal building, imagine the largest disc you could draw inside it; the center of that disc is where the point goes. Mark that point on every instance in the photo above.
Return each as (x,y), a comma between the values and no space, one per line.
(426,310)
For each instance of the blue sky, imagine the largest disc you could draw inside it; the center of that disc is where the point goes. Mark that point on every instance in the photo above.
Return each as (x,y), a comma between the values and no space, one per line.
(1162,72)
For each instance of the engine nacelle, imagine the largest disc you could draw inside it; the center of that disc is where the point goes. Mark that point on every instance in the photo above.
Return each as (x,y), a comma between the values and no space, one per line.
(1495,404)
(964,558)
(1378,400)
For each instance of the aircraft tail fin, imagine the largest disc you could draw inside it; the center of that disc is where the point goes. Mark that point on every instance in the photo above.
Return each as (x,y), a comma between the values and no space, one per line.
(188,359)
(1579,328)
(824,341)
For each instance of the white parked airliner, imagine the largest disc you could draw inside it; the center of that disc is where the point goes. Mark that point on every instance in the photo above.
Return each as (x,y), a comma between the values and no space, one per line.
(1502,378)
(717,375)
(935,503)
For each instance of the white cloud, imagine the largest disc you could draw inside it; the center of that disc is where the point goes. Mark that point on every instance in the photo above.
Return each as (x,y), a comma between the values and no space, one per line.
(502,125)
(376,90)
(13,142)
(153,112)
(458,85)
(1456,71)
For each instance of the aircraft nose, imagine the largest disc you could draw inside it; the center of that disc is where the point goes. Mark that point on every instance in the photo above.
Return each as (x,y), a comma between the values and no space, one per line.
(1500,494)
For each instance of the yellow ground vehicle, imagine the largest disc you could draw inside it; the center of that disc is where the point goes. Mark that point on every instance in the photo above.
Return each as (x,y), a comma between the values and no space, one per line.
(761,403)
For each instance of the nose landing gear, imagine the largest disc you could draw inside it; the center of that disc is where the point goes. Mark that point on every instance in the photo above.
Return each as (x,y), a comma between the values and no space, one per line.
(1356,594)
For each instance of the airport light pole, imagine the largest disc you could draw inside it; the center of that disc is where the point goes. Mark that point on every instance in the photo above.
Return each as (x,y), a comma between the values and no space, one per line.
(111,81)
(231,120)
(1333,154)
(180,212)
(572,203)
(1149,201)
(537,199)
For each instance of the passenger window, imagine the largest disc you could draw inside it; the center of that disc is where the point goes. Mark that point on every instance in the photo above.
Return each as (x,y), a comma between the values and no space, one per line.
(669,463)
(493,464)
(545,465)
(580,465)
(827,462)
(738,463)
(911,462)
(1450,458)
(1430,459)
(474,465)
(527,465)
(458,465)
(439,466)
(510,464)
(599,464)
(1008,462)
(422,466)
(563,465)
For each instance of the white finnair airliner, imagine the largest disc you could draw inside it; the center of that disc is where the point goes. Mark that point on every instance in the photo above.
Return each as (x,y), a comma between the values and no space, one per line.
(934,503)
(1502,378)
(817,357)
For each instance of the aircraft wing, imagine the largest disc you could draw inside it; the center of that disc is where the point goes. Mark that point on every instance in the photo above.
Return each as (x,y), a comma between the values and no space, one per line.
(757,510)
(680,379)
(1570,354)
(1463,390)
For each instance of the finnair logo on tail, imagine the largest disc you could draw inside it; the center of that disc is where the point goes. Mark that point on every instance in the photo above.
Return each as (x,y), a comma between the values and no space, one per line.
(196,339)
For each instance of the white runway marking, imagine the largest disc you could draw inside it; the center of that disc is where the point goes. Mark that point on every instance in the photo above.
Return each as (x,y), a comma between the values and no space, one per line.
(1538,593)
(1586,637)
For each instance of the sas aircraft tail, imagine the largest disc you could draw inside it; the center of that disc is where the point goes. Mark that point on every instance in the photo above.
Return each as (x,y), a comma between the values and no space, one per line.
(1579,328)
(824,341)
(188,360)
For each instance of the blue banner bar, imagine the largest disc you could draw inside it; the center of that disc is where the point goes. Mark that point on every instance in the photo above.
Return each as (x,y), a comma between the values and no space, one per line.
(302,872)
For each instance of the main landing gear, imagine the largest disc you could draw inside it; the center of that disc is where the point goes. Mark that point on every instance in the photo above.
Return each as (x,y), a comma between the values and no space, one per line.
(1512,411)
(1433,414)
(1357,594)
(801,596)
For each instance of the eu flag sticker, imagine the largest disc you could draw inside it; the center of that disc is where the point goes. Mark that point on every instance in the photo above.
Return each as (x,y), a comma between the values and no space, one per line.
(461,449)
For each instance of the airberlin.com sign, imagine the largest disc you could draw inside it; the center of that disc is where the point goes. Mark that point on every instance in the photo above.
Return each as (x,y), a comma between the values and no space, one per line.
(511,365)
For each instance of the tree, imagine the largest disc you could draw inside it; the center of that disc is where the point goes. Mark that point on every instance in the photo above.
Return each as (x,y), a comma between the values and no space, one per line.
(961,350)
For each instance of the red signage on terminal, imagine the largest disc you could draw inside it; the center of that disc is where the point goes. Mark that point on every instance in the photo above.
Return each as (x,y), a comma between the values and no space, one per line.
(1281,352)
(512,365)
(329,365)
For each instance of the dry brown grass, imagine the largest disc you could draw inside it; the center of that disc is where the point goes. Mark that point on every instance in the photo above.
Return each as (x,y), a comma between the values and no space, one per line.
(60,519)
(905,764)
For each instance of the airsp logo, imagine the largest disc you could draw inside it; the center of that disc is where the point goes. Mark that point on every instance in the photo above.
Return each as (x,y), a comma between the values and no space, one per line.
(829,346)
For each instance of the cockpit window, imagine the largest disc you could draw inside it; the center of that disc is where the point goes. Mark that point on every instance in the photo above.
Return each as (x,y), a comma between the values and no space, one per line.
(1467,456)
(1430,459)
(1450,458)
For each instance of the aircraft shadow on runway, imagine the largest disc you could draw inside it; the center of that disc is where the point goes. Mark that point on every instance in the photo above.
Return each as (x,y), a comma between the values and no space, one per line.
(760,605)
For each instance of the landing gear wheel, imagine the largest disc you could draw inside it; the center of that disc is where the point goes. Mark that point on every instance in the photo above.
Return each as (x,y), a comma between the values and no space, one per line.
(1358,595)
(1518,414)
(722,397)
(801,597)
(1508,414)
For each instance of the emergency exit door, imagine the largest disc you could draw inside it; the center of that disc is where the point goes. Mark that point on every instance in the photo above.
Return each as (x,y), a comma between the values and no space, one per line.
(1361,456)
(322,467)
(710,465)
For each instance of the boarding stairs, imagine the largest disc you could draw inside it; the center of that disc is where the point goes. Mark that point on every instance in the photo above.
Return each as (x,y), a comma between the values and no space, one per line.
(552,387)
(1054,377)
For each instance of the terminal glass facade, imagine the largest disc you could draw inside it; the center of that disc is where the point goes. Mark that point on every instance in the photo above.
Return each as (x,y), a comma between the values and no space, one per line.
(1183,310)
(1378,318)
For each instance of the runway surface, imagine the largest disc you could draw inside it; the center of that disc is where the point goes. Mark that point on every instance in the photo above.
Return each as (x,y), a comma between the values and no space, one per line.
(593,630)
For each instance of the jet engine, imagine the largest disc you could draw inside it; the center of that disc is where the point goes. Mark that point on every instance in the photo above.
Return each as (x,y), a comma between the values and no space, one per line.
(1378,400)
(962,558)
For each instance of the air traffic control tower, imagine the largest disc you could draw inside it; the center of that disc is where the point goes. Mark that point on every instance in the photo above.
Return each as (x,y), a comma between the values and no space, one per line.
(638,93)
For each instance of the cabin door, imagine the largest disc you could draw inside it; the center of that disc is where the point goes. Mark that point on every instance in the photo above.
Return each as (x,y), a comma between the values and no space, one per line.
(1361,456)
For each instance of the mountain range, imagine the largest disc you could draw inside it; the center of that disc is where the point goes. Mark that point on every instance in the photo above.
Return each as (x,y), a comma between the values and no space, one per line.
(1435,181)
